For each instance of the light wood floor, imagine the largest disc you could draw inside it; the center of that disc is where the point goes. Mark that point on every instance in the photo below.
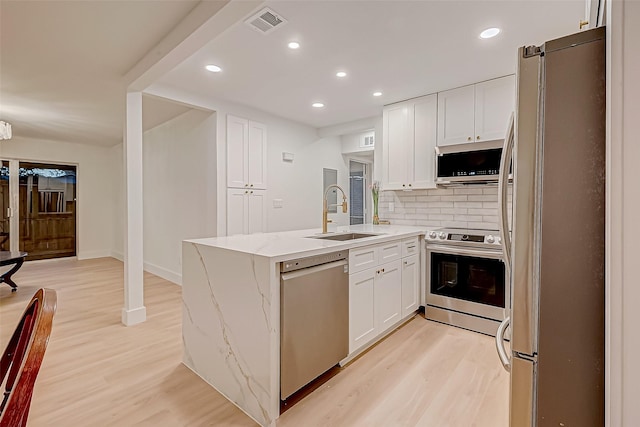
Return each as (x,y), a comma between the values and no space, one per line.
(97,372)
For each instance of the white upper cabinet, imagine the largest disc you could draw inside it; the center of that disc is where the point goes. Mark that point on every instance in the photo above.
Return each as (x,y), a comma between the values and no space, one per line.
(423,161)
(495,101)
(397,135)
(257,155)
(237,136)
(455,116)
(246,153)
(409,138)
(475,113)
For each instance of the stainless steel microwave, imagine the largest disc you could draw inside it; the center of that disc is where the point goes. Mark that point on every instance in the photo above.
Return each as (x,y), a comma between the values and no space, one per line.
(476,162)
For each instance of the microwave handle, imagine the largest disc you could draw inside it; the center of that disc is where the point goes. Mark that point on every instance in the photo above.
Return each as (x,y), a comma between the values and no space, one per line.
(503,185)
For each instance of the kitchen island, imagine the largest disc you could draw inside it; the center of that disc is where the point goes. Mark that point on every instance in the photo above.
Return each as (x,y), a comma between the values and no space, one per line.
(231,308)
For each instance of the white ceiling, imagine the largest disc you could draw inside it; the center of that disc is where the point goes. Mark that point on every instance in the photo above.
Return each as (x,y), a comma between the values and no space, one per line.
(62,62)
(402,48)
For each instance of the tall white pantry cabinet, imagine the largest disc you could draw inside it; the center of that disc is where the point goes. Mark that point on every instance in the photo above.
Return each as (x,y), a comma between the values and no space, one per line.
(246,176)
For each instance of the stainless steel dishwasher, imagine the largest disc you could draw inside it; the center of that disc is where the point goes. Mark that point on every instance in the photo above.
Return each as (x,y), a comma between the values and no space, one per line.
(314,318)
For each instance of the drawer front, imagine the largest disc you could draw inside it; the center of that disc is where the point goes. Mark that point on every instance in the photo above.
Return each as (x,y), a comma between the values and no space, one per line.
(390,251)
(362,258)
(410,246)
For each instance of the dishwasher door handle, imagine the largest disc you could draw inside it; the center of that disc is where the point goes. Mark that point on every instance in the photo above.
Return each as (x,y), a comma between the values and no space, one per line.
(311,270)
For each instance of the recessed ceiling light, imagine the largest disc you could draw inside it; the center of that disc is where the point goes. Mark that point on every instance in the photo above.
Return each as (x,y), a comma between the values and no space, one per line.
(341,74)
(489,32)
(293,45)
(317,105)
(377,93)
(213,68)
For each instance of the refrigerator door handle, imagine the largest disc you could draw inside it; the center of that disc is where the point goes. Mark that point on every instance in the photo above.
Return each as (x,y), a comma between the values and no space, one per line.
(502,353)
(503,185)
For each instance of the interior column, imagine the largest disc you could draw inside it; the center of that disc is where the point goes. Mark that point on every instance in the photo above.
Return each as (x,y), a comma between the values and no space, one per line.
(134,310)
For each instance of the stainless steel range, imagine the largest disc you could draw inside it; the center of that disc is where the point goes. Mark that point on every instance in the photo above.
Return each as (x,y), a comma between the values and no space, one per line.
(466,279)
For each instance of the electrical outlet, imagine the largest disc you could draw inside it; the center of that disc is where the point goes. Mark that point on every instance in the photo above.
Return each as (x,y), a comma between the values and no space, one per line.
(392,206)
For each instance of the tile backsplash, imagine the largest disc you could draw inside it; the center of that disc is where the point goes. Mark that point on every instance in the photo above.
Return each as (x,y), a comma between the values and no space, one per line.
(460,207)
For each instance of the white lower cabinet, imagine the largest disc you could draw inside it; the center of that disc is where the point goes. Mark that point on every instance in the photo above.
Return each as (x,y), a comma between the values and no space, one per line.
(377,299)
(246,211)
(410,284)
(362,320)
(388,295)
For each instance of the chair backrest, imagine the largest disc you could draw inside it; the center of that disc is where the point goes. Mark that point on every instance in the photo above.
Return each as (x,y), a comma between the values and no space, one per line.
(23,356)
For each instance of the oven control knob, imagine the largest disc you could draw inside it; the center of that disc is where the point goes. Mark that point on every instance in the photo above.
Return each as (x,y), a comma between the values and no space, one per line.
(490,239)
(433,234)
(442,235)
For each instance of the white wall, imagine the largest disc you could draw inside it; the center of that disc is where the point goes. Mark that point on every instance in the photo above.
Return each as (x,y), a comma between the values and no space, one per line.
(177,194)
(298,184)
(97,176)
(351,142)
(623,205)
(117,208)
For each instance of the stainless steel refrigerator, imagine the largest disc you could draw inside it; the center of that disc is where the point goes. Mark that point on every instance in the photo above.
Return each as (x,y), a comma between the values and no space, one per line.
(555,251)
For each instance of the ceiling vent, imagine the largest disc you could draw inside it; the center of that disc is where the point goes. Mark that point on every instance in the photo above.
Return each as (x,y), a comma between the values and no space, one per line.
(265,21)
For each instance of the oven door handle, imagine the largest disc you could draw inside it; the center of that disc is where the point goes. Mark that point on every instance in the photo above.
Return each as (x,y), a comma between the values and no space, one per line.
(466,251)
(502,353)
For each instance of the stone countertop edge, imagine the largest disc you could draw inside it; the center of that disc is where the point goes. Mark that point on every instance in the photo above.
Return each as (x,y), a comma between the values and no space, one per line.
(286,245)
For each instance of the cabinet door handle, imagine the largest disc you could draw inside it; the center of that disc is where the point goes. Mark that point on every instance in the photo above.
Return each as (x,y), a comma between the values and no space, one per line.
(246,192)
(403,185)
(478,137)
(246,185)
(409,185)
(469,138)
(252,184)
(383,270)
(251,192)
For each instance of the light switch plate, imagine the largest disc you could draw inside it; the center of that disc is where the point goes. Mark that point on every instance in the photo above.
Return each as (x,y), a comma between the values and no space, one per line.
(392,206)
(277,203)
(287,157)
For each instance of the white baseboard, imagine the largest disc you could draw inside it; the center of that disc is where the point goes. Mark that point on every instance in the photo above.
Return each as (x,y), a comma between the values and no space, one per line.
(93,254)
(118,255)
(169,275)
(166,274)
(132,317)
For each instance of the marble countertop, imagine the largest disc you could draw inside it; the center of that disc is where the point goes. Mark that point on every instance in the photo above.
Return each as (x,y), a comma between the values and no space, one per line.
(285,245)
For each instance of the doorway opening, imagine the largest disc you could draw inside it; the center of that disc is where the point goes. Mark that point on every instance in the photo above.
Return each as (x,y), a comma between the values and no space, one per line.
(358,192)
(38,202)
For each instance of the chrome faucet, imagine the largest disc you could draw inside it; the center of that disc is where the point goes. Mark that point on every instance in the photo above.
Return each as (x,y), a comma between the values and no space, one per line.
(325,206)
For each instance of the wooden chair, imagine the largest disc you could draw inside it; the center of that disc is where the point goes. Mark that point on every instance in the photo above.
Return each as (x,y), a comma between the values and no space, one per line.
(22,358)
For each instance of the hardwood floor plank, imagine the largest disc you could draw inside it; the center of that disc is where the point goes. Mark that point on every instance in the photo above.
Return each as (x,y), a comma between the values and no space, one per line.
(97,372)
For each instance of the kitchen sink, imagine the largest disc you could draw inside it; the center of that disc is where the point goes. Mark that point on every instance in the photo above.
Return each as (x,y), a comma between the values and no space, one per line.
(343,236)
